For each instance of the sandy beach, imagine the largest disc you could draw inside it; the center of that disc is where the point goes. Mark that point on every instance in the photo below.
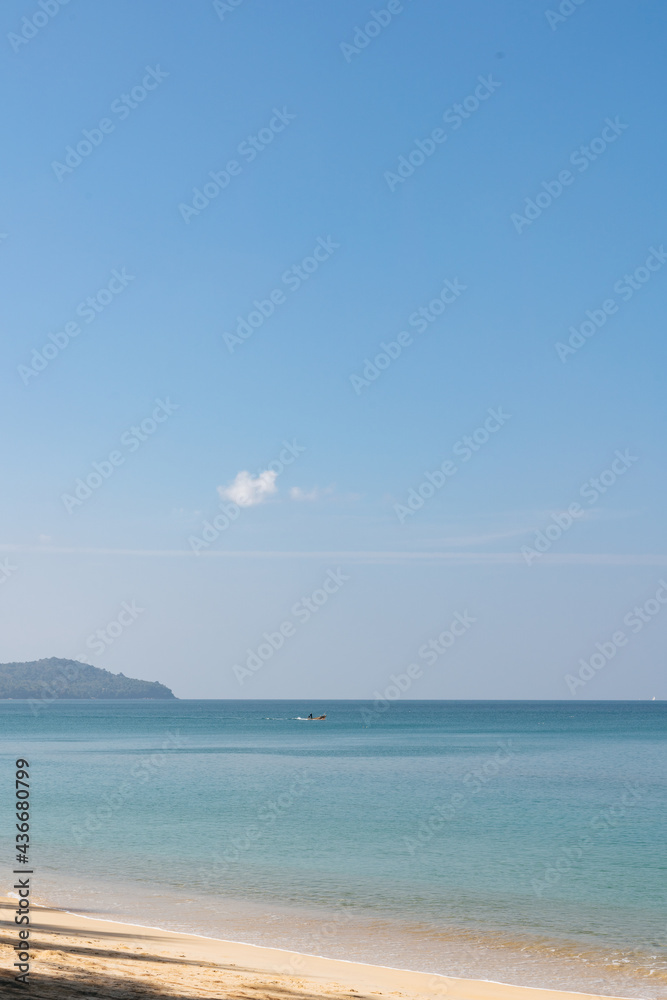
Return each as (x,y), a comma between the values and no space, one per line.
(75,956)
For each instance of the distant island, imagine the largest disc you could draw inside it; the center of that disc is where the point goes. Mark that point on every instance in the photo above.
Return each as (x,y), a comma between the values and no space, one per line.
(56,678)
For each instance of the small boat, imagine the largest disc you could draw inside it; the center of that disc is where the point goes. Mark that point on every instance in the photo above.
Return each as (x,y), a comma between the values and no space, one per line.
(318,718)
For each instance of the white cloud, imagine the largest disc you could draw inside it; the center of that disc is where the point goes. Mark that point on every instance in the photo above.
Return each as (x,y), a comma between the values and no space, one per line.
(296,493)
(247,491)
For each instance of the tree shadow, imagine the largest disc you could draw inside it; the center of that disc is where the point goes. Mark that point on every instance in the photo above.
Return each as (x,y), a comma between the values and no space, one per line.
(57,977)
(85,985)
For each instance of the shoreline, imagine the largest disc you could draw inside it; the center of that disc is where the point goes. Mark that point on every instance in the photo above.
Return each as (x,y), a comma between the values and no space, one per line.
(61,966)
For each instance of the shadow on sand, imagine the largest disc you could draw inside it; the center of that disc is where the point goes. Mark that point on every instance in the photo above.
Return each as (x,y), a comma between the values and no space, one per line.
(94,978)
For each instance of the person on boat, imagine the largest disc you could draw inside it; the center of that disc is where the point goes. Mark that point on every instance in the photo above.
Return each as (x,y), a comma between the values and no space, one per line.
(310,716)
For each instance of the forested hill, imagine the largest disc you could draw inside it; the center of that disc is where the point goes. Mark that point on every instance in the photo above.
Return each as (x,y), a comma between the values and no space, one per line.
(56,678)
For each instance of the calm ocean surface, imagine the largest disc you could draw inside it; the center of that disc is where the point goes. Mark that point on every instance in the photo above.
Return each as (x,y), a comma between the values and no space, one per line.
(523,842)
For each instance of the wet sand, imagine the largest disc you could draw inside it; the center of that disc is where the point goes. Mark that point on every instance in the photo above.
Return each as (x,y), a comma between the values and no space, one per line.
(74,956)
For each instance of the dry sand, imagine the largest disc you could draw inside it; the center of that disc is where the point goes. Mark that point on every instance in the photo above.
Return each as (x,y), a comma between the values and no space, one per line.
(78,957)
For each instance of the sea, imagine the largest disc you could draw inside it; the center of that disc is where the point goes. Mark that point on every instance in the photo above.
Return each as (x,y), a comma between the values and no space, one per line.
(521,842)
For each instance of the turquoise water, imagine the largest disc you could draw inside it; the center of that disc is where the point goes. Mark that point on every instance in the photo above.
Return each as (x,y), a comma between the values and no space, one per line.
(518,841)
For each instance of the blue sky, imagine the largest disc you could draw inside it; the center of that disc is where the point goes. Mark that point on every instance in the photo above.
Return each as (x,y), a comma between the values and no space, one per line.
(583,93)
